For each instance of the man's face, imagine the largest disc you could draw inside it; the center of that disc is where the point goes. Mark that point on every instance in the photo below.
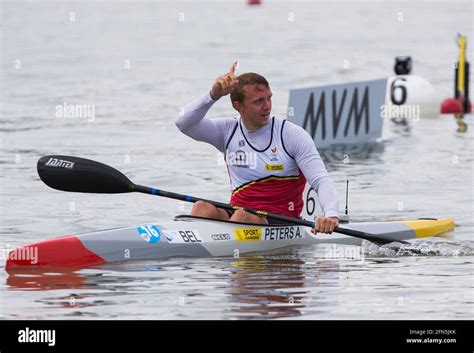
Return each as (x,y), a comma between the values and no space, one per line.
(257,105)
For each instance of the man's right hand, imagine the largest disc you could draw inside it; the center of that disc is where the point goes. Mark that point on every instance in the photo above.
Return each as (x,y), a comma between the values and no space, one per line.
(225,83)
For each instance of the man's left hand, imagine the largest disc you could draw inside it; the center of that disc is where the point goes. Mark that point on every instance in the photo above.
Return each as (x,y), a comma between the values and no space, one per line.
(325,225)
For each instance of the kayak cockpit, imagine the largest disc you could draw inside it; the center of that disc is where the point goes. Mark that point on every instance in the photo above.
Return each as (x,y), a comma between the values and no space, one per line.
(190,218)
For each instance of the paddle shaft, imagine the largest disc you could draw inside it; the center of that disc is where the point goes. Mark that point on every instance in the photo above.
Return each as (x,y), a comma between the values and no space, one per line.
(76,174)
(226,206)
(303,222)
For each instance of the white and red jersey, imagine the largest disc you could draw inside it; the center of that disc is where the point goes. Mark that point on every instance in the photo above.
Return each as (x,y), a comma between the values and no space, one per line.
(265,179)
(268,168)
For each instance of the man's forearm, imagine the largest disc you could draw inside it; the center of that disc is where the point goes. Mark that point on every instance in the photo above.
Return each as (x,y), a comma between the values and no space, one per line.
(328,198)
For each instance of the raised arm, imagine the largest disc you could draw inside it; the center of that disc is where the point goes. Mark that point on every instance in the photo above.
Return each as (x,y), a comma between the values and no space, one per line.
(192,119)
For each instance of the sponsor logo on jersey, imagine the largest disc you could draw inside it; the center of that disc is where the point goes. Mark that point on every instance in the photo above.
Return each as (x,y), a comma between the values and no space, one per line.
(274,157)
(241,159)
(274,167)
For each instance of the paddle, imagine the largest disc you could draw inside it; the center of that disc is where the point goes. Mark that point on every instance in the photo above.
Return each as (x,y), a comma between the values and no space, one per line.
(76,174)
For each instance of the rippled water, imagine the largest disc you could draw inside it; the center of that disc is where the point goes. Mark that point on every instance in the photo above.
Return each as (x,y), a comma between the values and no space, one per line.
(293,283)
(424,169)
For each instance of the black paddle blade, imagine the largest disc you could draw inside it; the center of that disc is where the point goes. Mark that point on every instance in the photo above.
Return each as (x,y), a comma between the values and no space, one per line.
(76,174)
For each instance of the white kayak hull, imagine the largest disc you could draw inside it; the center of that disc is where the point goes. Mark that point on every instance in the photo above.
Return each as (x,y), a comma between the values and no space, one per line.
(198,237)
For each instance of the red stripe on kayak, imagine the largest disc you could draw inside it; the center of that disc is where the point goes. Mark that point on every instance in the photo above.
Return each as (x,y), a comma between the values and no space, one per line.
(64,252)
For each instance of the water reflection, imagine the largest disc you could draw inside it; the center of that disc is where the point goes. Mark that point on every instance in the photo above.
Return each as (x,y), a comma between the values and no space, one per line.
(114,278)
(279,286)
(285,284)
(267,287)
(43,280)
(338,156)
(402,128)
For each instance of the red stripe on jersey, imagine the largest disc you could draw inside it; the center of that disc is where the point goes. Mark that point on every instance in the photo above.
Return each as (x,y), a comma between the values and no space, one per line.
(281,196)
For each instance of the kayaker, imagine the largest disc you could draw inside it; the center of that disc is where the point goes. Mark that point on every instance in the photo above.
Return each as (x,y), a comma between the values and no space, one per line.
(268,159)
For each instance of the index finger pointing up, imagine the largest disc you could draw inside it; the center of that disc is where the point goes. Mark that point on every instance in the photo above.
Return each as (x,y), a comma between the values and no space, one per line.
(234,65)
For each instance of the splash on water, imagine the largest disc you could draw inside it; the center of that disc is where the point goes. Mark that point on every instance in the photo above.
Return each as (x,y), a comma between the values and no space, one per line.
(420,247)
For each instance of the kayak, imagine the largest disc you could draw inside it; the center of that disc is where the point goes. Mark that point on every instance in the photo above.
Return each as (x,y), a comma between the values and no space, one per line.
(199,237)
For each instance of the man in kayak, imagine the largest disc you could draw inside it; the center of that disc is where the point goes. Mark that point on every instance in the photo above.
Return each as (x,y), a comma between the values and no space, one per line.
(268,159)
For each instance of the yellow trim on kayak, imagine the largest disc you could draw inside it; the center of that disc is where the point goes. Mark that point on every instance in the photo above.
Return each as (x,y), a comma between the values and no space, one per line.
(430,228)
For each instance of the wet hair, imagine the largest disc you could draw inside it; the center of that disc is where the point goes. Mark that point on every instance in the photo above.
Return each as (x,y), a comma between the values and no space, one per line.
(248,78)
